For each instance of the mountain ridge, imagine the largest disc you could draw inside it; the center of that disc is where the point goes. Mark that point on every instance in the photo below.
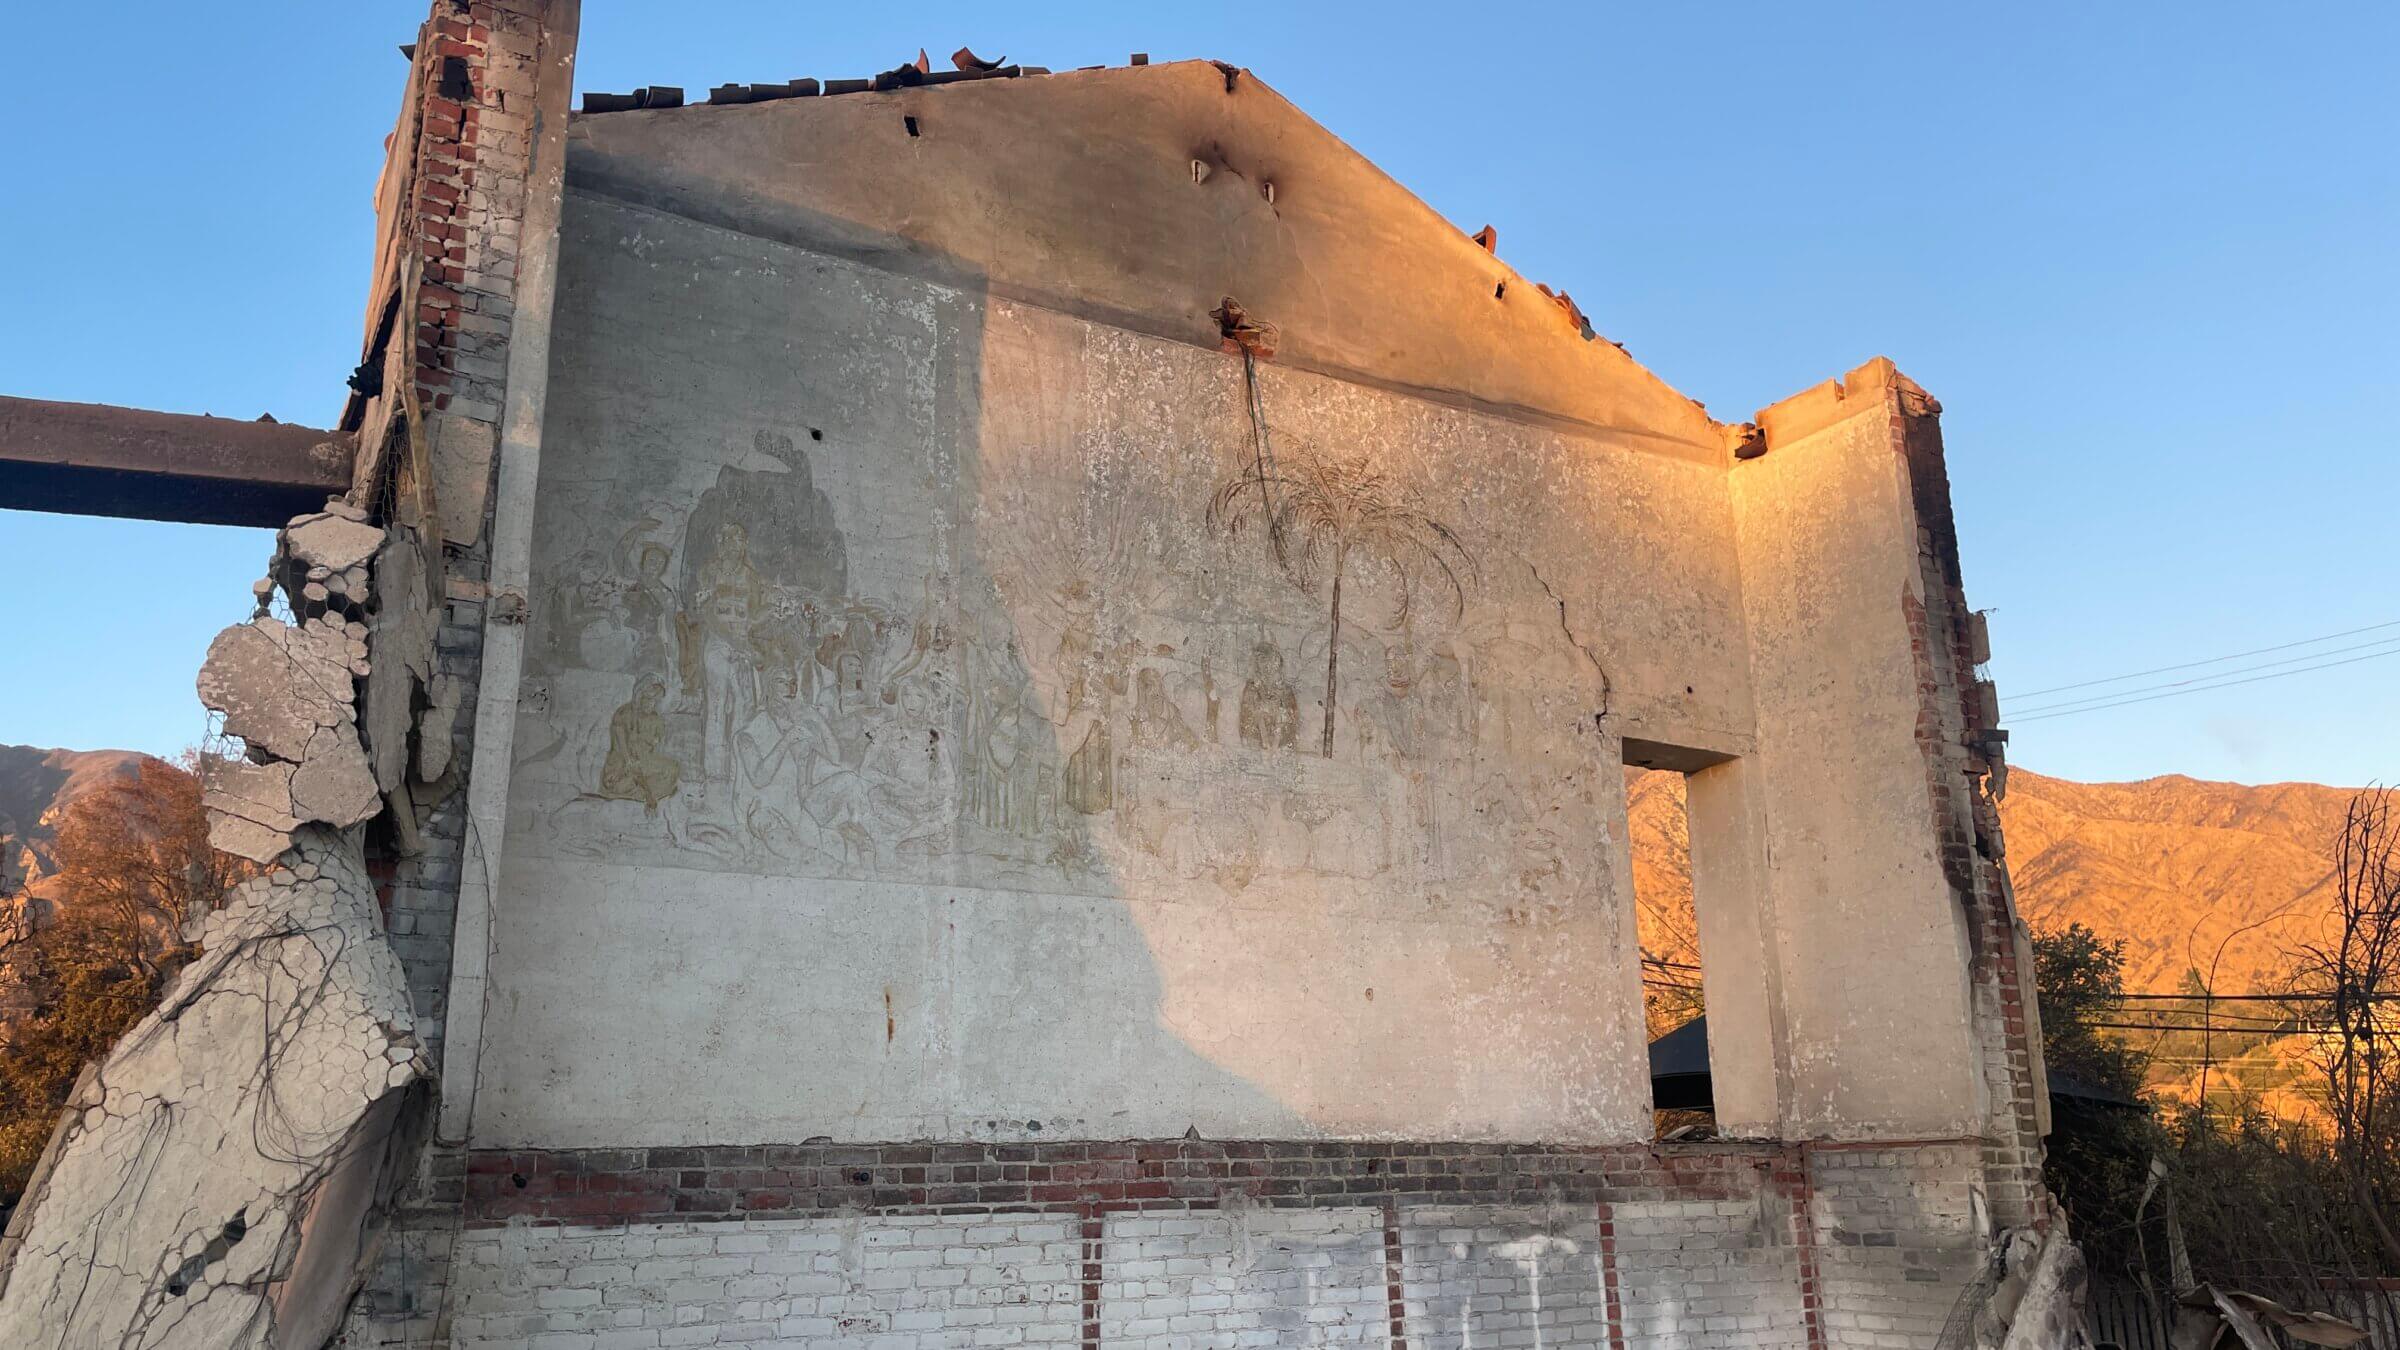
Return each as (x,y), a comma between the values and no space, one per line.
(37,785)
(2190,873)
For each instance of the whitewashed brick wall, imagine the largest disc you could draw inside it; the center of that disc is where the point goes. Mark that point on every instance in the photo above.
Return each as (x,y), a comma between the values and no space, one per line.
(1250,1277)
(1897,1240)
(1893,1242)
(884,1283)
(1491,1278)
(1709,1274)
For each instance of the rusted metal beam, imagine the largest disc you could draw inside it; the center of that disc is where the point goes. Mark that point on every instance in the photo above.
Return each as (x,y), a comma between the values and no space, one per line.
(97,459)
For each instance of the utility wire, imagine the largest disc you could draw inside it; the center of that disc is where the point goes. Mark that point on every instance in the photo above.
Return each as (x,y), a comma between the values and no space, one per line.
(2251,998)
(2176,693)
(2219,675)
(2214,660)
(2225,1014)
(2195,1017)
(2221,1029)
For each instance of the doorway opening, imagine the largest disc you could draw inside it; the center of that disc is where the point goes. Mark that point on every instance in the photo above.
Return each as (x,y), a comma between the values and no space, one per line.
(1658,833)
(1672,912)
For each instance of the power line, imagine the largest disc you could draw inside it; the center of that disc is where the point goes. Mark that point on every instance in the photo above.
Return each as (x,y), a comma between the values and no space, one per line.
(2185,1024)
(2232,1017)
(2177,693)
(2214,660)
(2219,1029)
(2210,679)
(2225,1020)
(2251,998)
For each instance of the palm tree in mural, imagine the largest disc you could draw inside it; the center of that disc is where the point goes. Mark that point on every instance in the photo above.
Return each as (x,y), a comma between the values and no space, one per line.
(1320,511)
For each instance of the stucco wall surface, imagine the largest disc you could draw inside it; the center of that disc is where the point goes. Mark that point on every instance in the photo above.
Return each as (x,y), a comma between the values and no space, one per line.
(1870,947)
(925,728)
(1140,197)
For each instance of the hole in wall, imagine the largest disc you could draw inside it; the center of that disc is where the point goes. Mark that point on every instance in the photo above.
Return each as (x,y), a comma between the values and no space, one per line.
(912,125)
(1658,837)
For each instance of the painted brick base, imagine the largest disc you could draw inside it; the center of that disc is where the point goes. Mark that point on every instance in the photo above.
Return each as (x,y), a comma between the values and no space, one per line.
(1188,1245)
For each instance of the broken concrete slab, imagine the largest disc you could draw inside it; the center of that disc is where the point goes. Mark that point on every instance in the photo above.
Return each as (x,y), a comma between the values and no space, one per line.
(278,684)
(250,809)
(463,450)
(173,1205)
(437,725)
(246,838)
(335,543)
(399,647)
(333,783)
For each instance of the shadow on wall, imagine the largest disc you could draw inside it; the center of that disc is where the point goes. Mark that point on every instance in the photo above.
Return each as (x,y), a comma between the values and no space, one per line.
(931,700)
(795,845)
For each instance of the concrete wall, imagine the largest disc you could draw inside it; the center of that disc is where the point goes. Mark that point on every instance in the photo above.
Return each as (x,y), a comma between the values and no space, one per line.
(924,723)
(992,799)
(1871,952)
(932,907)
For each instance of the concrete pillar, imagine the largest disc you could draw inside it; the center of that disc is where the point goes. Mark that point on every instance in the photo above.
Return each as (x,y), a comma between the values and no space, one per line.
(1747,1047)
(1871,938)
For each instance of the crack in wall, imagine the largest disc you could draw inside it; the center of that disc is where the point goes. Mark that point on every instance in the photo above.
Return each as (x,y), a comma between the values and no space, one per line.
(1607,687)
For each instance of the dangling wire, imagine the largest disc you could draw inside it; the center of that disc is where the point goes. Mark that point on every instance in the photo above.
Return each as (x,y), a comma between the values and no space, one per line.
(1260,453)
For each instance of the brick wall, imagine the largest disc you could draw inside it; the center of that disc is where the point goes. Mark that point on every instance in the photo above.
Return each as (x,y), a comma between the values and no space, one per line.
(474,77)
(1246,1275)
(1949,728)
(1896,1239)
(460,216)
(1191,1245)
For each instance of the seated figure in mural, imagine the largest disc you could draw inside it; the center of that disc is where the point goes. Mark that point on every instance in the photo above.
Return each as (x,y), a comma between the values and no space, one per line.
(909,775)
(774,756)
(638,768)
(1157,723)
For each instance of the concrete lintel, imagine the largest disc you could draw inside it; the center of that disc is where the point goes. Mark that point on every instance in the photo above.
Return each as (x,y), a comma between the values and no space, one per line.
(1674,756)
(102,460)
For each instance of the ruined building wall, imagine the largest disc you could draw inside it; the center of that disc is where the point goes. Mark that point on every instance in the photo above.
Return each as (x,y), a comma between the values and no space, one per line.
(941,515)
(930,652)
(929,912)
(1831,583)
(929,790)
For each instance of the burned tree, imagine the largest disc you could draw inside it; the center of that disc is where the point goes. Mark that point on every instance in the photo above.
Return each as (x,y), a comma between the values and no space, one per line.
(2355,970)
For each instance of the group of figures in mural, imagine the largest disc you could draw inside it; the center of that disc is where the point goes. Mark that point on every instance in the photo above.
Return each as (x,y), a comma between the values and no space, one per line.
(1077,711)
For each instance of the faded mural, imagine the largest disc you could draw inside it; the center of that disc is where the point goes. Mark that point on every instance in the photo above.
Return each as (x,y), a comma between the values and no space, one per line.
(1224,665)
(941,712)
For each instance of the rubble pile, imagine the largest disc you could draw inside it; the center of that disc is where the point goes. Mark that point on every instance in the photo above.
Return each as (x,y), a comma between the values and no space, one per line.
(212,1182)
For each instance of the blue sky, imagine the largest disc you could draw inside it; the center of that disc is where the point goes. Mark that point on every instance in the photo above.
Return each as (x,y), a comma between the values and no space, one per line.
(2144,255)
